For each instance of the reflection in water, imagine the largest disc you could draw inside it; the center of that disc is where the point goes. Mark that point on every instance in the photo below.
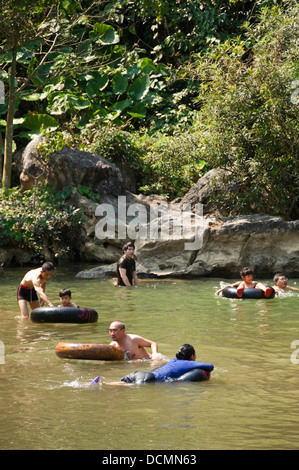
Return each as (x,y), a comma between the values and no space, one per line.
(249,403)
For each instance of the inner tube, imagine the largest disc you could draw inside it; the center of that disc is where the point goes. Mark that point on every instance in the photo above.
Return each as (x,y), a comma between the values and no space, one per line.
(231,293)
(64,315)
(195,375)
(141,377)
(98,352)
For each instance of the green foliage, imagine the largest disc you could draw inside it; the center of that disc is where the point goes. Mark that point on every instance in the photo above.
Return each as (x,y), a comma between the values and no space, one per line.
(84,191)
(167,165)
(209,92)
(249,123)
(111,59)
(174,29)
(171,164)
(112,143)
(39,221)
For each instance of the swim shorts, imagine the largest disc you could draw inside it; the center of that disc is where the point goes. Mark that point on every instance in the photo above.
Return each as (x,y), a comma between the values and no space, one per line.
(24,293)
(139,377)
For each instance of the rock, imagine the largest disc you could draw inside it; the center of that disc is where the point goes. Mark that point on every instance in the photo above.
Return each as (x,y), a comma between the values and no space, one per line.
(212,182)
(69,167)
(14,256)
(72,167)
(107,249)
(265,244)
(223,245)
(100,252)
(99,272)
(33,168)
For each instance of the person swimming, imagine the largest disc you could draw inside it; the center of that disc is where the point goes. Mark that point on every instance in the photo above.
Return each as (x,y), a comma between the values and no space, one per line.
(248,283)
(281,284)
(183,367)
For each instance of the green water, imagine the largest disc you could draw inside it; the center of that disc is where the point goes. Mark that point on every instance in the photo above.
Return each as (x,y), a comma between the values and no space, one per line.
(251,401)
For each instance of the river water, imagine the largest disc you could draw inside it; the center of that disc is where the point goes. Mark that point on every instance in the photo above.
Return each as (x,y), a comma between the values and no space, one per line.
(251,401)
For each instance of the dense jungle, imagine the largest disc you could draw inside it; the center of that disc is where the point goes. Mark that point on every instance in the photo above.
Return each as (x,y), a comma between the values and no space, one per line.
(174,87)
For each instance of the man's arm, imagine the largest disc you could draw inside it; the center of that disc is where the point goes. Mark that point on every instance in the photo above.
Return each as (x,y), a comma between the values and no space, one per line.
(123,275)
(135,278)
(145,343)
(41,292)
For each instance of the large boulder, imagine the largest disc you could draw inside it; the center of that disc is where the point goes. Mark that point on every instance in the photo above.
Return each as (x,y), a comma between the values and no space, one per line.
(211,183)
(33,167)
(14,256)
(72,167)
(69,167)
(223,246)
(266,244)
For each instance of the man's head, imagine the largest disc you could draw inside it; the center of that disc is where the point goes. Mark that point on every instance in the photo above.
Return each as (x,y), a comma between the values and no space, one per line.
(117,330)
(129,249)
(280,280)
(47,270)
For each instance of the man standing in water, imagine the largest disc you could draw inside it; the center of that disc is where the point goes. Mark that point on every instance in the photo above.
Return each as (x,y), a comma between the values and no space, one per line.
(126,267)
(132,345)
(33,284)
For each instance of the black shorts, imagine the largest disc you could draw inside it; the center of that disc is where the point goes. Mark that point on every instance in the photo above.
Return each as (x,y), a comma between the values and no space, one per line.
(27,294)
(139,377)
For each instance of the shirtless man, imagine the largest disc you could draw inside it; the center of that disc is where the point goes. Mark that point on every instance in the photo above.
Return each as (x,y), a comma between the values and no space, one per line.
(132,345)
(33,284)
(281,284)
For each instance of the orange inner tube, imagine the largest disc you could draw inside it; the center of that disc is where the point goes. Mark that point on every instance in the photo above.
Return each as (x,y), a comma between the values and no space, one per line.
(100,352)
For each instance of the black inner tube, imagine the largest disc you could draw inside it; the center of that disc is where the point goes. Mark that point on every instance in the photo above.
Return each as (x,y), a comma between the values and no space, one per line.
(231,293)
(64,315)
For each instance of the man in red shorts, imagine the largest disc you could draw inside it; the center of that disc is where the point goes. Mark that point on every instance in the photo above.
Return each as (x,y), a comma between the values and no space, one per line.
(32,285)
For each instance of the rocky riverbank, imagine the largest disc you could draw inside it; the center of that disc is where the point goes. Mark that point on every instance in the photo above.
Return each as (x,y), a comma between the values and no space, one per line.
(183,239)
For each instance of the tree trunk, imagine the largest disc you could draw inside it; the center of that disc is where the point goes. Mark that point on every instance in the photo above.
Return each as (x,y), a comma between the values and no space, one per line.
(7,165)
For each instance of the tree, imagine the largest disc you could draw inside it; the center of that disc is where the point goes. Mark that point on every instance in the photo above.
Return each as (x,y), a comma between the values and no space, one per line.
(42,39)
(248,124)
(18,23)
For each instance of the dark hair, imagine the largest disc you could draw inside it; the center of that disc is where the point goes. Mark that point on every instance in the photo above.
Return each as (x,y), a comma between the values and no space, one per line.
(278,275)
(65,292)
(127,245)
(245,272)
(47,266)
(185,352)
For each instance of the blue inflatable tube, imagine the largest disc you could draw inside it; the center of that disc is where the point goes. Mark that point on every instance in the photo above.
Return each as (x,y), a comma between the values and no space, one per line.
(231,293)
